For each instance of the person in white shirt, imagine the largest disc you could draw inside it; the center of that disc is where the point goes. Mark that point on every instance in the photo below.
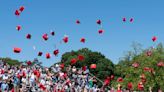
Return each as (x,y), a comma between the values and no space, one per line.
(24,80)
(42,81)
(32,79)
(74,69)
(5,76)
(48,85)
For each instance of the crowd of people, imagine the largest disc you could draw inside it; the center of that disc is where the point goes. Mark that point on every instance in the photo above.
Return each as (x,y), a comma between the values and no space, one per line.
(40,79)
(35,78)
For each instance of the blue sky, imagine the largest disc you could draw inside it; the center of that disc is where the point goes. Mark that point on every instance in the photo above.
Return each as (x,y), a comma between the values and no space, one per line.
(41,16)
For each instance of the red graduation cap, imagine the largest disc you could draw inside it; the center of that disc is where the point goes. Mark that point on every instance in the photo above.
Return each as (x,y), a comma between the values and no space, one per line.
(142,76)
(149,53)
(112,77)
(84,68)
(124,19)
(28,36)
(135,65)
(98,22)
(48,56)
(65,39)
(52,33)
(65,75)
(131,19)
(21,8)
(93,66)
(106,82)
(62,65)
(42,87)
(40,53)
(100,31)
(143,80)
(160,64)
(17,50)
(17,13)
(80,57)
(147,69)
(56,52)
(154,38)
(73,60)
(35,72)
(140,86)
(119,79)
(29,63)
(45,37)
(82,40)
(77,22)
(18,27)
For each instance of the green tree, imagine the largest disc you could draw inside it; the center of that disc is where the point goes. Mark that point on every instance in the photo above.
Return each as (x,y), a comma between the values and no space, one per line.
(10,61)
(104,66)
(154,79)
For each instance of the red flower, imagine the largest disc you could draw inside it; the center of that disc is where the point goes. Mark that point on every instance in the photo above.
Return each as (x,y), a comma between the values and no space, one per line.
(119,79)
(80,57)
